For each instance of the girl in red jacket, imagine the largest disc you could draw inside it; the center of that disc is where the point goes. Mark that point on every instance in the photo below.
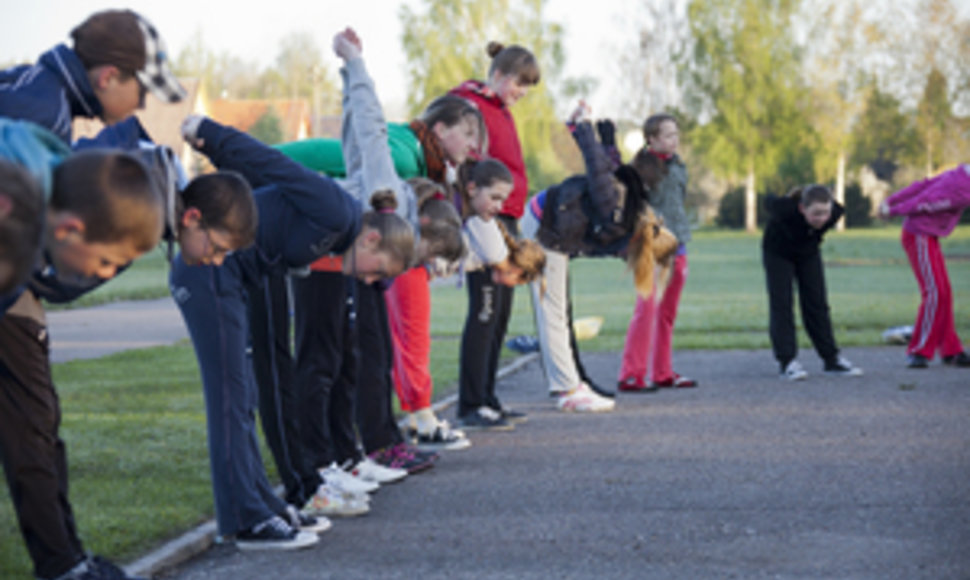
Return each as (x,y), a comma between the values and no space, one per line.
(513,71)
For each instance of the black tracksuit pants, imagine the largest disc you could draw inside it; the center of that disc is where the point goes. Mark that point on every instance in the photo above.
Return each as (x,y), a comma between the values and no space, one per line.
(807,272)
(326,367)
(489,310)
(375,411)
(280,404)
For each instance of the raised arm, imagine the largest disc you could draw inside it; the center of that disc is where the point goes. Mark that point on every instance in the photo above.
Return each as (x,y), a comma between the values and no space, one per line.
(599,171)
(366,150)
(313,195)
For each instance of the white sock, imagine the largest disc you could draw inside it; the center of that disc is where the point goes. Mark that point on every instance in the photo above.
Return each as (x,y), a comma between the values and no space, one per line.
(426,420)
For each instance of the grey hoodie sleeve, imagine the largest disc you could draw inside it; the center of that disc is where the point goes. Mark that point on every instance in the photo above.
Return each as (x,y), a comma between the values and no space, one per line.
(366,150)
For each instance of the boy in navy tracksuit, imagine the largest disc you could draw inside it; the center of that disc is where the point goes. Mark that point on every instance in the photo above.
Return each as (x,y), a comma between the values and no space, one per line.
(302,216)
(117,56)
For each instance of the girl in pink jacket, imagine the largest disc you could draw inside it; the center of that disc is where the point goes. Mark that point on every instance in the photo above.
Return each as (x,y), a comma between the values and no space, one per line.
(932,208)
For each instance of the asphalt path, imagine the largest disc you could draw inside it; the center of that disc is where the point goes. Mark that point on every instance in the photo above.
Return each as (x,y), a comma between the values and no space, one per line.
(746,476)
(85,333)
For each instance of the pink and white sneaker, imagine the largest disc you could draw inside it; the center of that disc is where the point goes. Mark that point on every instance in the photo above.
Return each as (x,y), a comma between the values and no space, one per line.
(582,399)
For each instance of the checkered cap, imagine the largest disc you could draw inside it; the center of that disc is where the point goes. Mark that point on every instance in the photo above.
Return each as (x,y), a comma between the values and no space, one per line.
(157,76)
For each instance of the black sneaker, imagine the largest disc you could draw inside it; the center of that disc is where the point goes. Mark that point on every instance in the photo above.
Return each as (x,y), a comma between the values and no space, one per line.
(97,568)
(274,534)
(485,418)
(442,437)
(959,360)
(513,416)
(917,361)
(842,366)
(305,522)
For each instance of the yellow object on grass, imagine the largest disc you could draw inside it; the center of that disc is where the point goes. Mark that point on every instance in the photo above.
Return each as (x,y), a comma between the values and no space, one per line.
(587,327)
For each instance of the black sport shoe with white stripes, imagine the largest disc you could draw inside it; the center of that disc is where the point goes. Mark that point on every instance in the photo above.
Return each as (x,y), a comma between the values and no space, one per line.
(274,534)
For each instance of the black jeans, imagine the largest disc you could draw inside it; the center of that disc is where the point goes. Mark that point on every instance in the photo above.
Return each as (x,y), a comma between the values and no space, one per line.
(807,272)
(34,456)
(326,367)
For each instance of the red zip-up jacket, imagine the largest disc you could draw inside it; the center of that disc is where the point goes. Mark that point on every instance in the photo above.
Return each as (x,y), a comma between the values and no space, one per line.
(503,141)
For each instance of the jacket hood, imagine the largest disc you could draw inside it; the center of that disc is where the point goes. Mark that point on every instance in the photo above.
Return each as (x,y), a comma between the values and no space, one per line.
(64,63)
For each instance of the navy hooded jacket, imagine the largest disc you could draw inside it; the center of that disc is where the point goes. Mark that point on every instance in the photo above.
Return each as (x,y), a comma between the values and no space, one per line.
(50,93)
(302,215)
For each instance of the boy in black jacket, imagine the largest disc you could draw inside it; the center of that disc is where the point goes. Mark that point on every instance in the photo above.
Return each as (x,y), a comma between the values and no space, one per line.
(790,249)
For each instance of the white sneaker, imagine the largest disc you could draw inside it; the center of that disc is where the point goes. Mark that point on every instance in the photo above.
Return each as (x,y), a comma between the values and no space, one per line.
(369,470)
(793,371)
(582,399)
(331,502)
(347,482)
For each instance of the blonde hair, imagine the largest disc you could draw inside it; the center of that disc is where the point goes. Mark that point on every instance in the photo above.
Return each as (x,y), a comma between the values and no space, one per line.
(527,255)
(650,254)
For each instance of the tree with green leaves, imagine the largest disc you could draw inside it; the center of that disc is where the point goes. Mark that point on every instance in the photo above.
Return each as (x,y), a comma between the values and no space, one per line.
(884,137)
(933,119)
(741,72)
(268,128)
(445,41)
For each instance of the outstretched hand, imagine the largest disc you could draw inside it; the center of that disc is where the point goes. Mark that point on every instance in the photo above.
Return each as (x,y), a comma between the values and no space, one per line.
(607,132)
(190,130)
(347,45)
(581,113)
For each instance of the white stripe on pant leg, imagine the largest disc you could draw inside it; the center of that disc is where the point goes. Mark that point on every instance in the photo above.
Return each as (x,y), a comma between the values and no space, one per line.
(932,300)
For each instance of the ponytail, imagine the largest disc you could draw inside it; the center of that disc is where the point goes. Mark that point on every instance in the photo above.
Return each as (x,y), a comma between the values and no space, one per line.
(527,255)
(513,60)
(397,237)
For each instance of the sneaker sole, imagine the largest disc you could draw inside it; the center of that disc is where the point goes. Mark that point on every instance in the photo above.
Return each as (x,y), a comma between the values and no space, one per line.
(845,373)
(341,513)
(571,409)
(302,540)
(508,427)
(318,528)
(456,445)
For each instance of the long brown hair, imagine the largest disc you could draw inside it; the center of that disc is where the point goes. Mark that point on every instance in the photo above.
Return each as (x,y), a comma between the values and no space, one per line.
(527,255)
(651,245)
(439,220)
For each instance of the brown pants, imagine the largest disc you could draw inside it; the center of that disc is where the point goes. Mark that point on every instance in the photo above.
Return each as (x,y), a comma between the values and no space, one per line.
(34,457)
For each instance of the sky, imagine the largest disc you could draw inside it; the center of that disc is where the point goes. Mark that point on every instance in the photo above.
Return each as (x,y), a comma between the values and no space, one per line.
(253,30)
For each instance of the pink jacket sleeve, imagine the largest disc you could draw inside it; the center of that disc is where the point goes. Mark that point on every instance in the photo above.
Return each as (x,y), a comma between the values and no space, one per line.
(947,191)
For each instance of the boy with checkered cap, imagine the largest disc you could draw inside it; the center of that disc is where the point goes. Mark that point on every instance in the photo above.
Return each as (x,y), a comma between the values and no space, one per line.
(117,57)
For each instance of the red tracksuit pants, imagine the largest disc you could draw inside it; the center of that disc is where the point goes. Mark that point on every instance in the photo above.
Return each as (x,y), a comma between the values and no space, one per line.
(934,328)
(409,315)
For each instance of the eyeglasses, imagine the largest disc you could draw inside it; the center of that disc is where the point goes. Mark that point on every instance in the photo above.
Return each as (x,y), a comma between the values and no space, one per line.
(213,249)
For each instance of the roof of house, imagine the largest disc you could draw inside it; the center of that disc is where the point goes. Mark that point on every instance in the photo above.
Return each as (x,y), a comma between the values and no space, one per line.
(294,114)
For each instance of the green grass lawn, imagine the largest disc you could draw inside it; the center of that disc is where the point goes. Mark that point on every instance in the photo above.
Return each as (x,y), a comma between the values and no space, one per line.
(134,422)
